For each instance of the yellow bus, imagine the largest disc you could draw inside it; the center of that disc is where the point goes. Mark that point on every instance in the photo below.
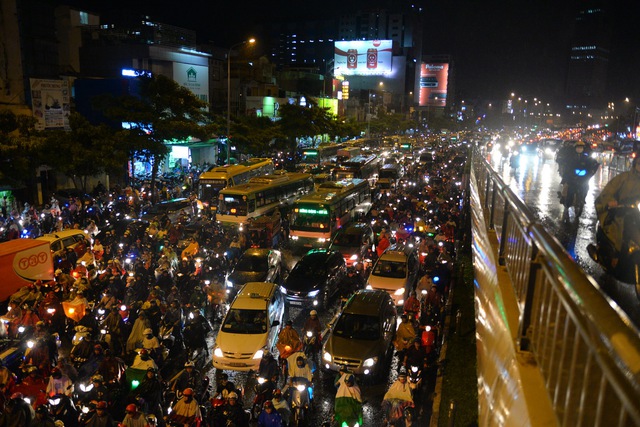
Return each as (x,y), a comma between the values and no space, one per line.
(217,178)
(261,196)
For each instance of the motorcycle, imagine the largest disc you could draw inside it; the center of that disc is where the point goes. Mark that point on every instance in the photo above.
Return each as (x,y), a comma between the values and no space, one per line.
(310,346)
(264,391)
(575,190)
(301,398)
(414,378)
(63,409)
(627,267)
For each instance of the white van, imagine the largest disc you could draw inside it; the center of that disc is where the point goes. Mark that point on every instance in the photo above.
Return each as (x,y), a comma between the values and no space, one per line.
(396,272)
(251,325)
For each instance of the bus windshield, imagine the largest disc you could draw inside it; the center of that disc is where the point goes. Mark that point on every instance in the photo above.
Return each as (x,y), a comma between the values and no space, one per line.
(311,217)
(232,204)
(209,189)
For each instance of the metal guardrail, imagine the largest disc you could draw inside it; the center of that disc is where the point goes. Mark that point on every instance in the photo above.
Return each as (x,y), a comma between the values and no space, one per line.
(587,352)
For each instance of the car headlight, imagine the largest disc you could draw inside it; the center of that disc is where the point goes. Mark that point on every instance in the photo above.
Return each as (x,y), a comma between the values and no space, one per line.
(283,290)
(369,362)
(354,257)
(258,354)
(327,356)
(368,287)
(30,344)
(218,352)
(414,369)
(314,294)
(321,239)
(294,237)
(399,292)
(228,283)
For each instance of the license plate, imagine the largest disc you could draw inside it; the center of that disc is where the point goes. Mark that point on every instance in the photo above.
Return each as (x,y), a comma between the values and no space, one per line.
(295,302)
(236,364)
(308,245)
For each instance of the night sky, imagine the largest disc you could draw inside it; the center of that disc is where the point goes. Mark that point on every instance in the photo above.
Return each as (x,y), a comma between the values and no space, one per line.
(498,46)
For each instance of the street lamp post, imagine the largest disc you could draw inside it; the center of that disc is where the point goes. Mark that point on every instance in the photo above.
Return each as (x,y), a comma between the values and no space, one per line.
(250,41)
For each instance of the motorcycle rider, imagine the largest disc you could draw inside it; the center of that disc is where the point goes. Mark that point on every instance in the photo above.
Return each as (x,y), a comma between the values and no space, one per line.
(150,389)
(288,337)
(622,189)
(313,325)
(59,384)
(348,402)
(269,417)
(236,416)
(268,368)
(42,418)
(17,412)
(412,305)
(133,417)
(101,418)
(404,336)
(186,410)
(225,387)
(189,377)
(144,361)
(281,405)
(115,325)
(577,160)
(416,355)
(300,370)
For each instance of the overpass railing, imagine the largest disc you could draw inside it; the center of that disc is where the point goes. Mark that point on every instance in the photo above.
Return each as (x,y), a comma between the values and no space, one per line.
(585,348)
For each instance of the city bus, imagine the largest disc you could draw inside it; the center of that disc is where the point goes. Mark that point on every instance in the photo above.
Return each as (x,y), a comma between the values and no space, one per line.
(389,176)
(322,153)
(362,167)
(261,196)
(217,178)
(316,216)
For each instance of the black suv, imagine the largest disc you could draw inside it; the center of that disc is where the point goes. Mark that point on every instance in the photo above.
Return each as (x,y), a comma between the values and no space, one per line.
(315,278)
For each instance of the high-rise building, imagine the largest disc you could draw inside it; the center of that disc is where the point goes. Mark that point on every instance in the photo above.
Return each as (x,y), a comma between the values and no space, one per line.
(586,81)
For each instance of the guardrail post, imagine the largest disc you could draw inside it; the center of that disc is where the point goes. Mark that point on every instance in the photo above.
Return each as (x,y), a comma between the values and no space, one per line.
(493,206)
(503,234)
(534,268)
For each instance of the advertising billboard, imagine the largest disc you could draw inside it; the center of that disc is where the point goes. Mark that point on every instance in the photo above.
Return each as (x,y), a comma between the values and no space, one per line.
(50,103)
(362,57)
(433,84)
(193,77)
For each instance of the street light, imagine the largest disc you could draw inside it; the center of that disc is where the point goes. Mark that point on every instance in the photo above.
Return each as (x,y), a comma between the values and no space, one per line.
(250,41)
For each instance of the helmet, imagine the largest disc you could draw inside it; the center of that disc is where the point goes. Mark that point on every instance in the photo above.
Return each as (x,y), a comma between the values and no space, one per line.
(151,419)
(187,391)
(313,313)
(148,331)
(232,395)
(55,373)
(131,408)
(579,144)
(189,364)
(151,369)
(101,405)
(289,323)
(268,404)
(277,393)
(97,378)
(97,347)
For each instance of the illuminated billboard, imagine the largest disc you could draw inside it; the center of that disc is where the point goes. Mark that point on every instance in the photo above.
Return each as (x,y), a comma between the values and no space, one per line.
(193,77)
(362,57)
(433,84)
(51,103)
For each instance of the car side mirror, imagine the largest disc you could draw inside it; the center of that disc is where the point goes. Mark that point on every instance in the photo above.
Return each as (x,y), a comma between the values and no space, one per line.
(275,323)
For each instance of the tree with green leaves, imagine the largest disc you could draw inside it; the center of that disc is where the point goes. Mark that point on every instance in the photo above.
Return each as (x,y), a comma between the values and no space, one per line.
(85,151)
(300,122)
(20,145)
(165,111)
(254,134)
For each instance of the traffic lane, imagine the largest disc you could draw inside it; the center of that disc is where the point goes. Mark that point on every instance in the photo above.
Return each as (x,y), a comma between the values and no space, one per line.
(536,181)
(372,392)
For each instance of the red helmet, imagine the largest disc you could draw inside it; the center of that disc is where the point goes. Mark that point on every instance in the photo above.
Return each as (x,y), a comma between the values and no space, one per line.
(268,404)
(144,351)
(131,408)
(187,391)
(103,405)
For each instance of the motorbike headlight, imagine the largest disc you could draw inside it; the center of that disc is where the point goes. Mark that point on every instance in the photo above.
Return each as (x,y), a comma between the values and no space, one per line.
(309,334)
(327,356)
(103,331)
(258,354)
(54,402)
(30,344)
(51,310)
(314,294)
(228,283)
(218,352)
(123,308)
(21,329)
(261,380)
(299,387)
(354,257)
(101,311)
(368,363)
(294,237)
(399,292)
(369,287)
(414,369)
(85,409)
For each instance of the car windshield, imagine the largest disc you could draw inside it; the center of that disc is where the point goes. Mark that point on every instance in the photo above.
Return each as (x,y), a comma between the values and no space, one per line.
(252,263)
(392,269)
(357,327)
(308,268)
(349,240)
(239,321)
